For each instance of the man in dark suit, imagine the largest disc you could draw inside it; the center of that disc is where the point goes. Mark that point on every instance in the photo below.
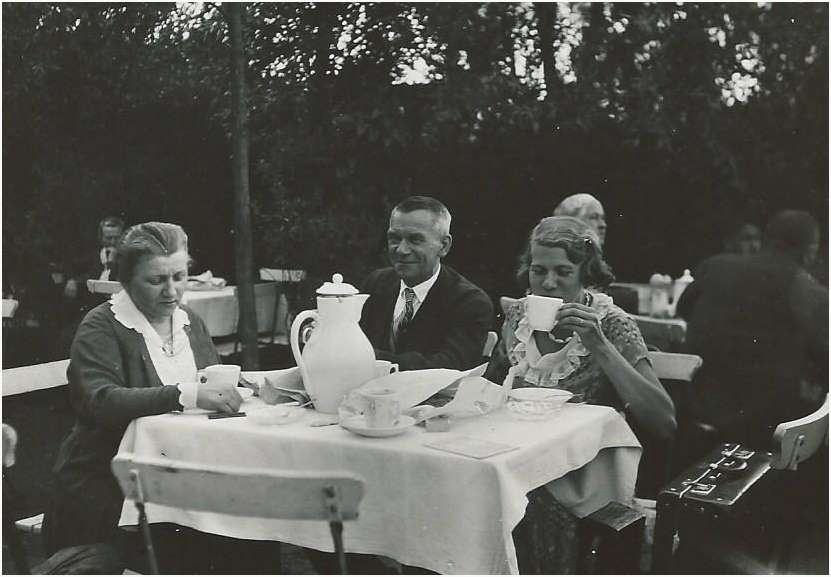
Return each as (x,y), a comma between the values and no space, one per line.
(422,314)
(98,265)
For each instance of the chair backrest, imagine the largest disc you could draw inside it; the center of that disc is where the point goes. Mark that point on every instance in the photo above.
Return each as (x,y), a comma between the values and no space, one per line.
(795,441)
(9,308)
(34,377)
(247,492)
(643,290)
(666,334)
(282,275)
(490,343)
(265,296)
(105,287)
(9,445)
(675,366)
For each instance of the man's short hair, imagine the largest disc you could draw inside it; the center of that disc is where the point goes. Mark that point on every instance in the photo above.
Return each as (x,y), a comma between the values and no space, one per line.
(109,222)
(573,205)
(112,222)
(791,231)
(440,213)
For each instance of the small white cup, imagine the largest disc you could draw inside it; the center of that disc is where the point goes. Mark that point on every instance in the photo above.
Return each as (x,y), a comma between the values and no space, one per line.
(223,374)
(384,368)
(382,408)
(542,311)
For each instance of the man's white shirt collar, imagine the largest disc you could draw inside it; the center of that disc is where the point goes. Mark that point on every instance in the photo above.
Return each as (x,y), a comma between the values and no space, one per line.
(421,290)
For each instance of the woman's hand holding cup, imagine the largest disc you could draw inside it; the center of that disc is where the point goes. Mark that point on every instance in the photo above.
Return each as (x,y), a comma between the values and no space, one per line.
(218,389)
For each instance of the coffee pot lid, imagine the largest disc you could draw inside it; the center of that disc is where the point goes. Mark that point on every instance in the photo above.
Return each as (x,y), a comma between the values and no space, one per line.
(337,287)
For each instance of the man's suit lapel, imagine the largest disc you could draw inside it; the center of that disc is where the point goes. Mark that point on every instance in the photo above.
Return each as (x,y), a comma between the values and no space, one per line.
(388,306)
(432,305)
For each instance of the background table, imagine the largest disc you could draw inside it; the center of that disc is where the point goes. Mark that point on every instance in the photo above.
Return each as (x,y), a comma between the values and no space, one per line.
(423,507)
(218,308)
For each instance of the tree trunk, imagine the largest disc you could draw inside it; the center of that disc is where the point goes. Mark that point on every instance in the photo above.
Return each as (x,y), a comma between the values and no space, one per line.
(247,325)
(545,21)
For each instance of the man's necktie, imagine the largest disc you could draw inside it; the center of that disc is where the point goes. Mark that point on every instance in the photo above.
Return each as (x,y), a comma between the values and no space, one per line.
(406,319)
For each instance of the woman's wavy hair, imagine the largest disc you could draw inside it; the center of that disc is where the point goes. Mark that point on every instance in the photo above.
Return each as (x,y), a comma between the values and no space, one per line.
(581,244)
(148,239)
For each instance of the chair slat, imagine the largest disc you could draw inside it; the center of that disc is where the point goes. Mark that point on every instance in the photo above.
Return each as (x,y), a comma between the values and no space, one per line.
(795,441)
(252,492)
(34,377)
(675,366)
(490,343)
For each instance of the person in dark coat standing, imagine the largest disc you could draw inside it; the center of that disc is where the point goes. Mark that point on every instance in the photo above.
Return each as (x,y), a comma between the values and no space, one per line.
(422,314)
(760,322)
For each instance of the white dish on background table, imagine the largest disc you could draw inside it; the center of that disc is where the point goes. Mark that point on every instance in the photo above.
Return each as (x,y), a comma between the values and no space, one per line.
(357,425)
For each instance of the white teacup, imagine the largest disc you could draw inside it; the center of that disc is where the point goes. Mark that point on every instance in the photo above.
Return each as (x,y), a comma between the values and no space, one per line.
(542,311)
(384,368)
(222,374)
(382,408)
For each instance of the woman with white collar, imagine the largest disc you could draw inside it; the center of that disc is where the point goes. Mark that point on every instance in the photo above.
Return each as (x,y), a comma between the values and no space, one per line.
(133,356)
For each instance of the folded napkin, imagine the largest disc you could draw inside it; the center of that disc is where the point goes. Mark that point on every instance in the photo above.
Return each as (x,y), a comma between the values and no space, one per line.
(278,386)
(474,396)
(414,387)
(205,281)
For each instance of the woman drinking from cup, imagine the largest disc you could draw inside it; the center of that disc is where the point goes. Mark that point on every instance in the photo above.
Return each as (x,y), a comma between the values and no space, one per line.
(577,339)
(565,336)
(133,356)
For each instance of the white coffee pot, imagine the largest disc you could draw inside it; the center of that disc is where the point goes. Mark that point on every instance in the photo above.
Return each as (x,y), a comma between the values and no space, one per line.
(338,356)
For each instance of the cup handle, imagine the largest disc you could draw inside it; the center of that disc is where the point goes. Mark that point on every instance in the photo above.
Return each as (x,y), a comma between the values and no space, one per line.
(394,368)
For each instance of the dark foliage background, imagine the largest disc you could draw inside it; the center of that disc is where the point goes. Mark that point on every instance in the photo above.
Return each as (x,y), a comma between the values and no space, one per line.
(125,109)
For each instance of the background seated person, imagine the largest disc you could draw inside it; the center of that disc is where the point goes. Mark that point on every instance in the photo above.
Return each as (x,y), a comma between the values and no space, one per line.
(97,264)
(422,314)
(759,322)
(585,207)
(133,356)
(100,265)
(742,236)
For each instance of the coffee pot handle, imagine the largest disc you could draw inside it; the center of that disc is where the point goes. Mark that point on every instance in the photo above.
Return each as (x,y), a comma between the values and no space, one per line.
(295,346)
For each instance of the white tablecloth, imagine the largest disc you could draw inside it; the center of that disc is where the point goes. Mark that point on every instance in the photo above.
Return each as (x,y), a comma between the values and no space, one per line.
(218,308)
(423,507)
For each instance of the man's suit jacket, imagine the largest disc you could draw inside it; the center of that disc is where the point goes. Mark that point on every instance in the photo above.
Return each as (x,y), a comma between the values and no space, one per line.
(759,322)
(448,330)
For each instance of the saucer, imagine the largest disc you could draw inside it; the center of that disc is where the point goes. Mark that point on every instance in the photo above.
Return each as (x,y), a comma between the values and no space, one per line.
(357,425)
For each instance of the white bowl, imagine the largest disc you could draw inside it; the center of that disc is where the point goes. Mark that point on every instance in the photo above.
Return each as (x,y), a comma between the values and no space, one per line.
(536,402)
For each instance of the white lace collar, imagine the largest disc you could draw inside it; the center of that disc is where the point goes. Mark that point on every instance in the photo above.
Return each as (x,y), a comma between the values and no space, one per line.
(127,314)
(558,365)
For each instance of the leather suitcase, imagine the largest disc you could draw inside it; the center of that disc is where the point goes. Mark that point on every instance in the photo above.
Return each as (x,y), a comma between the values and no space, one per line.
(718,503)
